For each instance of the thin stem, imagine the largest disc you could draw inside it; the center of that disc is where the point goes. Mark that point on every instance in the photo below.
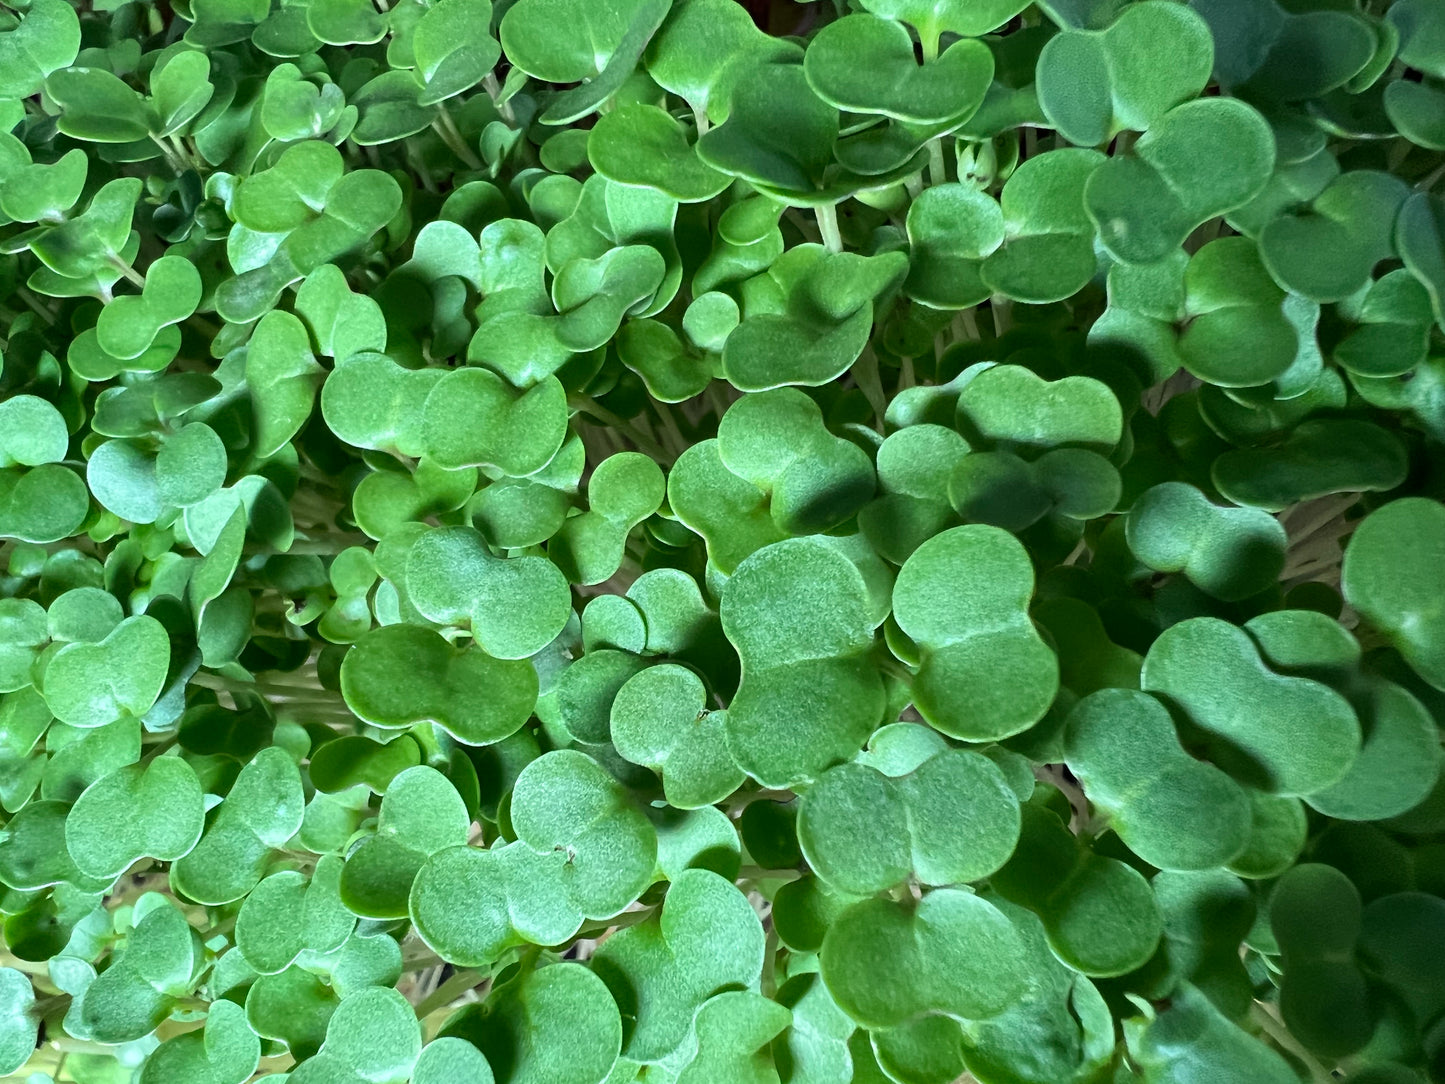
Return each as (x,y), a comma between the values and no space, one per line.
(413,155)
(677,443)
(128,272)
(450,990)
(827,215)
(34,303)
(589,405)
(174,162)
(494,91)
(446,127)
(768,982)
(865,372)
(914,185)
(182,151)
(715,400)
(1427,182)
(1002,308)
(907,378)
(699,118)
(1275,1029)
(937,165)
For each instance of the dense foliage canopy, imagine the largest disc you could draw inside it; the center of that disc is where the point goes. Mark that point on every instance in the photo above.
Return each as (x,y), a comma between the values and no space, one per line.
(690,542)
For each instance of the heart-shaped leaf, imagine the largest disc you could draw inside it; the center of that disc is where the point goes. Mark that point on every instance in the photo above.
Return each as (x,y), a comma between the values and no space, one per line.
(1175,812)
(400,675)
(704,939)
(120,677)
(863,830)
(1198,160)
(975,633)
(1295,737)
(660,720)
(1230,553)
(1094,83)
(799,614)
(951,952)
(154,810)
(864,64)
(1389,576)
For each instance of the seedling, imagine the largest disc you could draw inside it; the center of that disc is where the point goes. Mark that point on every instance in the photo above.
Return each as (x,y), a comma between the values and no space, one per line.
(703,542)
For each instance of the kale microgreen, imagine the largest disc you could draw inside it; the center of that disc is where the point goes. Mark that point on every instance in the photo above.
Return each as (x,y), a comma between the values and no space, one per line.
(722,541)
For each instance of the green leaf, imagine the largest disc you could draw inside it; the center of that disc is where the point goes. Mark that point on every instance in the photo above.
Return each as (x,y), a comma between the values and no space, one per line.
(863,830)
(1389,575)
(865,64)
(641,145)
(288,914)
(1098,913)
(259,814)
(565,802)
(1229,553)
(47,38)
(734,1030)
(420,815)
(1048,248)
(453,48)
(1191,1039)
(799,614)
(471,418)
(98,107)
(1297,735)
(704,939)
(283,377)
(400,675)
(1172,810)
(17,1028)
(1094,83)
(660,720)
(951,952)
(1146,205)
(554,1025)
(156,811)
(32,432)
(975,632)
(514,606)
(225,1051)
(90,685)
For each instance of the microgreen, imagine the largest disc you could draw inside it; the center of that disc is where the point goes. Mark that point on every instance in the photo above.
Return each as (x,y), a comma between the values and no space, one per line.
(720,542)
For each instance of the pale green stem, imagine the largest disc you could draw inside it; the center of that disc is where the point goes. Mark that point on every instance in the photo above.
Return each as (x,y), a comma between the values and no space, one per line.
(768,982)
(175,163)
(937,165)
(589,405)
(182,150)
(865,372)
(413,155)
(914,185)
(827,215)
(450,990)
(494,90)
(446,127)
(676,441)
(1275,1029)
(1427,182)
(128,272)
(699,118)
(715,400)
(34,303)
(1002,313)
